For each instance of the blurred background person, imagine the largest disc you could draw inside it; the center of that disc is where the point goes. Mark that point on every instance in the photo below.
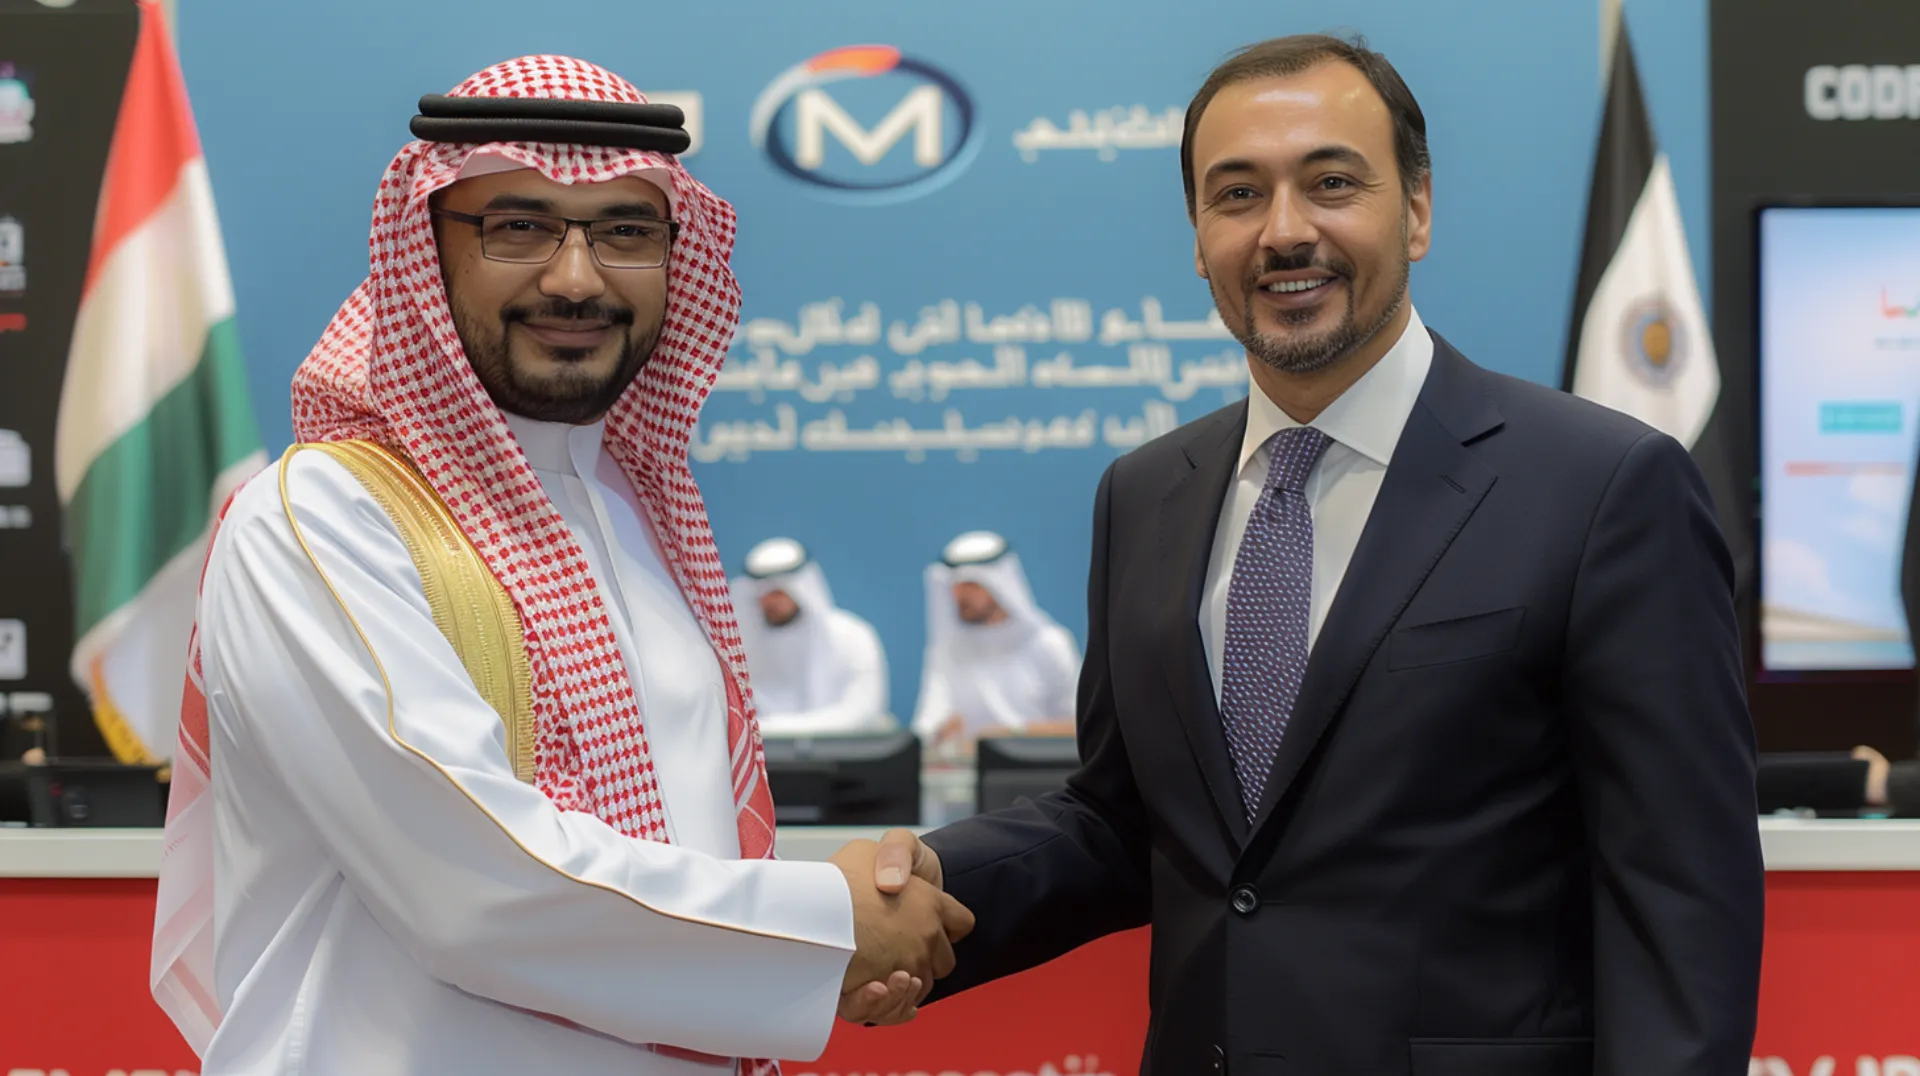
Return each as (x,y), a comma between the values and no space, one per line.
(818,670)
(996,663)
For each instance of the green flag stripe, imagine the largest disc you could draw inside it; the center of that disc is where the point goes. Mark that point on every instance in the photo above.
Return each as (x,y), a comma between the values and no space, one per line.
(146,497)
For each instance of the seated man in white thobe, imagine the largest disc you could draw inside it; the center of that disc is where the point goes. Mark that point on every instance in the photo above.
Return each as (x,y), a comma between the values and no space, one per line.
(818,670)
(996,663)
(467,780)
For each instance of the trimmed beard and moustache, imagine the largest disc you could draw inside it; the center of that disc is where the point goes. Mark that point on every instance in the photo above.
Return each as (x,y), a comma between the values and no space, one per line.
(571,395)
(1305,354)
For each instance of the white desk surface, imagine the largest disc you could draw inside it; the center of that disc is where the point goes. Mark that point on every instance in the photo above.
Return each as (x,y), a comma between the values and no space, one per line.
(1790,844)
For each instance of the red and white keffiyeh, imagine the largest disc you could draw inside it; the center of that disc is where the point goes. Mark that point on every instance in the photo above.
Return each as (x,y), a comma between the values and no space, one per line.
(390,368)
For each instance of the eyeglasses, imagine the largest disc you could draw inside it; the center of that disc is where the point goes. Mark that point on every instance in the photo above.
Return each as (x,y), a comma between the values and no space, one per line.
(534,238)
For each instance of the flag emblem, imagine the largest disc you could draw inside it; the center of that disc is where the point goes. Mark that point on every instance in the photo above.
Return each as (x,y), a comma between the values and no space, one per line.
(1654,342)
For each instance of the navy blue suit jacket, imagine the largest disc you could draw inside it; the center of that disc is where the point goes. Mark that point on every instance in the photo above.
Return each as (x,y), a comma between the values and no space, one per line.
(1511,830)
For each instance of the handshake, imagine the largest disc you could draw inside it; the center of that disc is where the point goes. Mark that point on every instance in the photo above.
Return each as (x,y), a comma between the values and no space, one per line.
(904,927)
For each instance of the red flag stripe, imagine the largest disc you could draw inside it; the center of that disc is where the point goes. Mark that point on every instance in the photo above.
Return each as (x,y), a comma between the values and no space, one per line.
(153,139)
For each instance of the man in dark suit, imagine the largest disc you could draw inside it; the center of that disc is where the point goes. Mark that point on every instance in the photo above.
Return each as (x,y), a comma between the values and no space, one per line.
(1412,712)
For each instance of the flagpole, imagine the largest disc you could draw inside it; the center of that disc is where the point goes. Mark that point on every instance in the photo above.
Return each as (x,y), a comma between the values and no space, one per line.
(1609,33)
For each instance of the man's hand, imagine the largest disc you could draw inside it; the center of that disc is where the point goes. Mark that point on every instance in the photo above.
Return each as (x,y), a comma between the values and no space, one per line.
(902,856)
(1877,770)
(895,1001)
(903,938)
(952,730)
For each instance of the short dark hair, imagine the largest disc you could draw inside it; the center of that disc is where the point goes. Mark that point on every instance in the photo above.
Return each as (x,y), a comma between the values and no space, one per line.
(1283,56)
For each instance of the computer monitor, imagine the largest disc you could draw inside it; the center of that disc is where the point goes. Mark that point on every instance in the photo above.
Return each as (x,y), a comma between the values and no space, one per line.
(845,780)
(86,793)
(1838,309)
(16,803)
(1009,768)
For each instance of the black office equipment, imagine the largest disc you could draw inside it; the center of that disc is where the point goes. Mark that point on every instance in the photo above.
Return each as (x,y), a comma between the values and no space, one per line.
(845,780)
(94,794)
(1008,768)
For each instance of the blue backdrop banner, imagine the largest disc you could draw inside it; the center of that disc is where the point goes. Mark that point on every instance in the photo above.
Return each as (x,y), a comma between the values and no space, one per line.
(968,270)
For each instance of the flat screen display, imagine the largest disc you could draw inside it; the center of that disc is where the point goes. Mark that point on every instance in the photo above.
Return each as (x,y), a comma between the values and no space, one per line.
(1839,336)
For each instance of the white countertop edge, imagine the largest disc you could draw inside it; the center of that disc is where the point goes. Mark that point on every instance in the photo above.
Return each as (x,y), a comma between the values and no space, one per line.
(1789,844)
(79,853)
(1833,844)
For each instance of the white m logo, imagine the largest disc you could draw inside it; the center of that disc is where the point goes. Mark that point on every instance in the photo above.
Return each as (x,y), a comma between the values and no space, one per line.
(815,114)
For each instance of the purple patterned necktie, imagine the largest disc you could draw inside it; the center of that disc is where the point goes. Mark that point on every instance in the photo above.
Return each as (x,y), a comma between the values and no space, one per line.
(1268,602)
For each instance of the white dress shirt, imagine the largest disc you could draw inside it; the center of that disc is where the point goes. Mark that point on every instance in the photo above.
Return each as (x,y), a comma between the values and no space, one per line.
(389,899)
(676,675)
(1364,424)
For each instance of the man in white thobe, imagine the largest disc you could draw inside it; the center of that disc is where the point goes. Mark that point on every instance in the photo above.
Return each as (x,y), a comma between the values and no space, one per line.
(467,780)
(818,670)
(996,663)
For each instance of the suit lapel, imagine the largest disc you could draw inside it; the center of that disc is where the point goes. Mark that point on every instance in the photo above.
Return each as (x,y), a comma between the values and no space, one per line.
(1432,485)
(1189,516)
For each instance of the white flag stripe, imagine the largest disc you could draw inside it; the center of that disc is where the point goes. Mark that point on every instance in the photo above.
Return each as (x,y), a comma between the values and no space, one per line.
(141,327)
(1645,348)
(140,645)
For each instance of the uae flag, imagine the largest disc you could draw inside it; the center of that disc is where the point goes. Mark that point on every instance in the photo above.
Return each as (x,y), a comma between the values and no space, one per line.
(1639,342)
(155,427)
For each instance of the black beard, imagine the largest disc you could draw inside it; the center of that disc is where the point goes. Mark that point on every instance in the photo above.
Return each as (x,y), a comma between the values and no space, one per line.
(1308,354)
(571,398)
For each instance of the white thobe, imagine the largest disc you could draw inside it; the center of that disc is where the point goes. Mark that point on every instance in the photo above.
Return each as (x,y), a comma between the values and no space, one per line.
(389,899)
(1364,425)
(993,683)
(832,682)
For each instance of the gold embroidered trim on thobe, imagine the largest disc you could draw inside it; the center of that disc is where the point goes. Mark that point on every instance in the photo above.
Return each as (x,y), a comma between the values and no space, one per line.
(469,605)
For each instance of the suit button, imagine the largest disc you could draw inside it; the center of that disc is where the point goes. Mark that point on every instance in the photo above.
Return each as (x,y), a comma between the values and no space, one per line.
(1219,1060)
(1246,899)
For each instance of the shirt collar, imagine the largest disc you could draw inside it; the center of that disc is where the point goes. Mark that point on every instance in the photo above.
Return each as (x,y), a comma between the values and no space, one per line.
(556,446)
(1366,418)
